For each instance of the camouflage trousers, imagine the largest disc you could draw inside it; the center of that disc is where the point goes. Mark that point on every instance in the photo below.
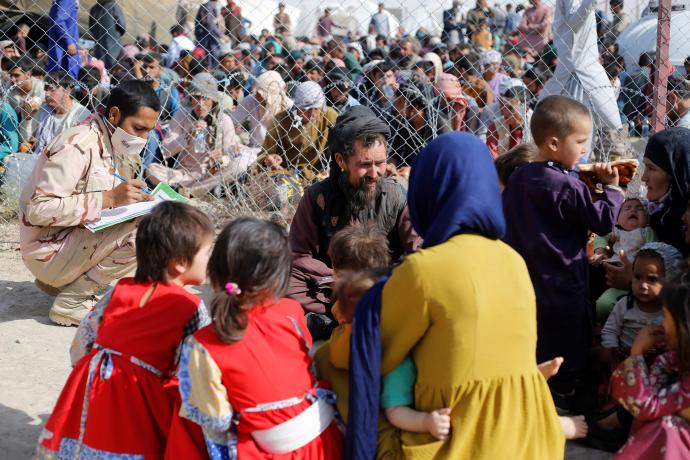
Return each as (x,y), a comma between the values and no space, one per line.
(103,257)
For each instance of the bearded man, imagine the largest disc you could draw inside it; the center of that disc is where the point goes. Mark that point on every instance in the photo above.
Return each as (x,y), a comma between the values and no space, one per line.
(355,191)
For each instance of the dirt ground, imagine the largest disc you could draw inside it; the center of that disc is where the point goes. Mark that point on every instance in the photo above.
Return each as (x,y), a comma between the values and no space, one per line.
(34,359)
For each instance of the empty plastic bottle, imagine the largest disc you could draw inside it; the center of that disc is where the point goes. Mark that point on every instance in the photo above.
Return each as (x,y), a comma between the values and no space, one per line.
(200,141)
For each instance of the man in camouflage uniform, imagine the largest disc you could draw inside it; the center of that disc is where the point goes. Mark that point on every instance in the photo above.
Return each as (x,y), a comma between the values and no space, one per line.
(72,183)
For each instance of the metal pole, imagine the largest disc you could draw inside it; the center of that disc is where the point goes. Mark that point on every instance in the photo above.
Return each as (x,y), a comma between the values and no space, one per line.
(526,134)
(661,69)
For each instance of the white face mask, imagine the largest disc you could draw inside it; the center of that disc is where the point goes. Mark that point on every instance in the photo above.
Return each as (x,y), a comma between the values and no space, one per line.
(126,145)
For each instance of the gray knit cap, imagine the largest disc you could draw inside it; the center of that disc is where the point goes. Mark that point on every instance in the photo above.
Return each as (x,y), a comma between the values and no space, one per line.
(673,260)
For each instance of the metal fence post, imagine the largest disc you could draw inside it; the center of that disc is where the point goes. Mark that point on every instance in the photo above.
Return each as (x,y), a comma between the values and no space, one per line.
(661,69)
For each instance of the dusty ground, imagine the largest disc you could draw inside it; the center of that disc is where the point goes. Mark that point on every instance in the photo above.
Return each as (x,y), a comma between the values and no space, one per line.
(34,360)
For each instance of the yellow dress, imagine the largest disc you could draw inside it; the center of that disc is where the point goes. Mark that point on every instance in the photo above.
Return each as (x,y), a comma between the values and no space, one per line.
(465,310)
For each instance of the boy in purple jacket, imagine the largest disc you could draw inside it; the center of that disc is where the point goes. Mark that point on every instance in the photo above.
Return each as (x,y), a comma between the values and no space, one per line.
(549,215)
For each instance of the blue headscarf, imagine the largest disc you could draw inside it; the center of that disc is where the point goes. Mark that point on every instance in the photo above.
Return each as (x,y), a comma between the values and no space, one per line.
(453,190)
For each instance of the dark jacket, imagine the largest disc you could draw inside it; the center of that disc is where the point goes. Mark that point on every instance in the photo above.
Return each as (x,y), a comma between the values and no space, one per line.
(106,26)
(206,28)
(406,142)
(476,15)
(320,215)
(451,21)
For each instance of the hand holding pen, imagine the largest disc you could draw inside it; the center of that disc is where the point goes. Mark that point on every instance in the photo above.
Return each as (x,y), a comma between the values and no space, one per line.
(128,192)
(144,188)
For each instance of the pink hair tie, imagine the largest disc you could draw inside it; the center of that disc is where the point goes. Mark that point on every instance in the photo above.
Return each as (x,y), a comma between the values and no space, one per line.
(232,289)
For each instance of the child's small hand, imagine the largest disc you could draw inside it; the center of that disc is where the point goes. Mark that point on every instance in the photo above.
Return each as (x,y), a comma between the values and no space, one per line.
(438,423)
(273,161)
(599,256)
(619,276)
(649,337)
(550,368)
(607,174)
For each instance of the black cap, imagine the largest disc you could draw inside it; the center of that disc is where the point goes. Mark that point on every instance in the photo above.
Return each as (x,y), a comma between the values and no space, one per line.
(354,122)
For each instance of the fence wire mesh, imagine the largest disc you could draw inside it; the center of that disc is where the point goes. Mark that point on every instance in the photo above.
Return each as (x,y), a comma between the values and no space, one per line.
(249,89)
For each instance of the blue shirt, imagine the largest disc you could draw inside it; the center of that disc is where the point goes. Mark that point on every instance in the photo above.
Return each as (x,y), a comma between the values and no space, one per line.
(170,101)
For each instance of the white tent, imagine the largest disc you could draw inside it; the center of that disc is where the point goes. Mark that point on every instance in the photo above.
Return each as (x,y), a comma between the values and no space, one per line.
(353,15)
(427,14)
(640,37)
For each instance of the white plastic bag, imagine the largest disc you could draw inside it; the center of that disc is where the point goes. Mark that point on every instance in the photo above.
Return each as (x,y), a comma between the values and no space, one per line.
(18,169)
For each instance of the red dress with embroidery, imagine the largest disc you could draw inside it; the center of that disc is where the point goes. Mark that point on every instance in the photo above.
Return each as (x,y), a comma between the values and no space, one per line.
(119,398)
(220,381)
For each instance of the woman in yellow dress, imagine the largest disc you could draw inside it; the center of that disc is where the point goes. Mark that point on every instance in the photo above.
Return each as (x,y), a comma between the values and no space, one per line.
(463,307)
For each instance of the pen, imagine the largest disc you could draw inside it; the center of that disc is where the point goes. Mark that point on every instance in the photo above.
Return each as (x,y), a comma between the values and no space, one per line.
(117,176)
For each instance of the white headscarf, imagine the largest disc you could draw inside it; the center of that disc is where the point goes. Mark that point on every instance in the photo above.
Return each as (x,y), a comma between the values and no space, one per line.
(309,95)
(273,90)
(438,64)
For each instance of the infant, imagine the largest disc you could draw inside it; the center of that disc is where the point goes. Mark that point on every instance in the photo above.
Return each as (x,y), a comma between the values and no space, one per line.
(630,234)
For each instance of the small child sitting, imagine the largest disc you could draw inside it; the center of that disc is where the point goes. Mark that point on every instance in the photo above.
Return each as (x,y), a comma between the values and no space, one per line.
(653,265)
(658,396)
(355,252)
(630,234)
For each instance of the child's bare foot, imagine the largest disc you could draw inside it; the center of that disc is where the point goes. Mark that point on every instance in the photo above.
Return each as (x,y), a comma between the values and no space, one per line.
(550,368)
(438,423)
(574,427)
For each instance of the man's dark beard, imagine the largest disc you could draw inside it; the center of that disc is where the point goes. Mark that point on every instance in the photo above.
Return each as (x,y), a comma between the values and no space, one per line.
(359,203)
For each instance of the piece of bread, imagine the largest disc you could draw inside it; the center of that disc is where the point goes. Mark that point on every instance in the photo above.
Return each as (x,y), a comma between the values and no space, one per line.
(626,171)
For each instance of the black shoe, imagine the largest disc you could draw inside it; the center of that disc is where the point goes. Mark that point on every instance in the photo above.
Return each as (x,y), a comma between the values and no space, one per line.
(320,326)
(603,439)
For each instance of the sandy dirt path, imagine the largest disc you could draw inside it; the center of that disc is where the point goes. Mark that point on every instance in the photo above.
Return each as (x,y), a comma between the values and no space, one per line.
(34,359)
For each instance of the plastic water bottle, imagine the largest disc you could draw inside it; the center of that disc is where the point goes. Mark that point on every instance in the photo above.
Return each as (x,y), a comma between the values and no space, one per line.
(388,91)
(646,128)
(200,141)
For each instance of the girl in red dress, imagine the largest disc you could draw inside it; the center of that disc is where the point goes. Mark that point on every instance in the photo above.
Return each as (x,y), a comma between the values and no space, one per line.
(247,378)
(115,403)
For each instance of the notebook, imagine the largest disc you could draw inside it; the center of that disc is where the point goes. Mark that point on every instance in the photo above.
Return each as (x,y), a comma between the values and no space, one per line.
(114,216)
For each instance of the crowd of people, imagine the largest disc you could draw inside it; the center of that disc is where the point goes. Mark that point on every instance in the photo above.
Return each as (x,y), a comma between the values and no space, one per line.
(442,264)
(483,75)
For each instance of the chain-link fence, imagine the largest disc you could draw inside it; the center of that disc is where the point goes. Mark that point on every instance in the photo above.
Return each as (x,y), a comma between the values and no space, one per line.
(249,89)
